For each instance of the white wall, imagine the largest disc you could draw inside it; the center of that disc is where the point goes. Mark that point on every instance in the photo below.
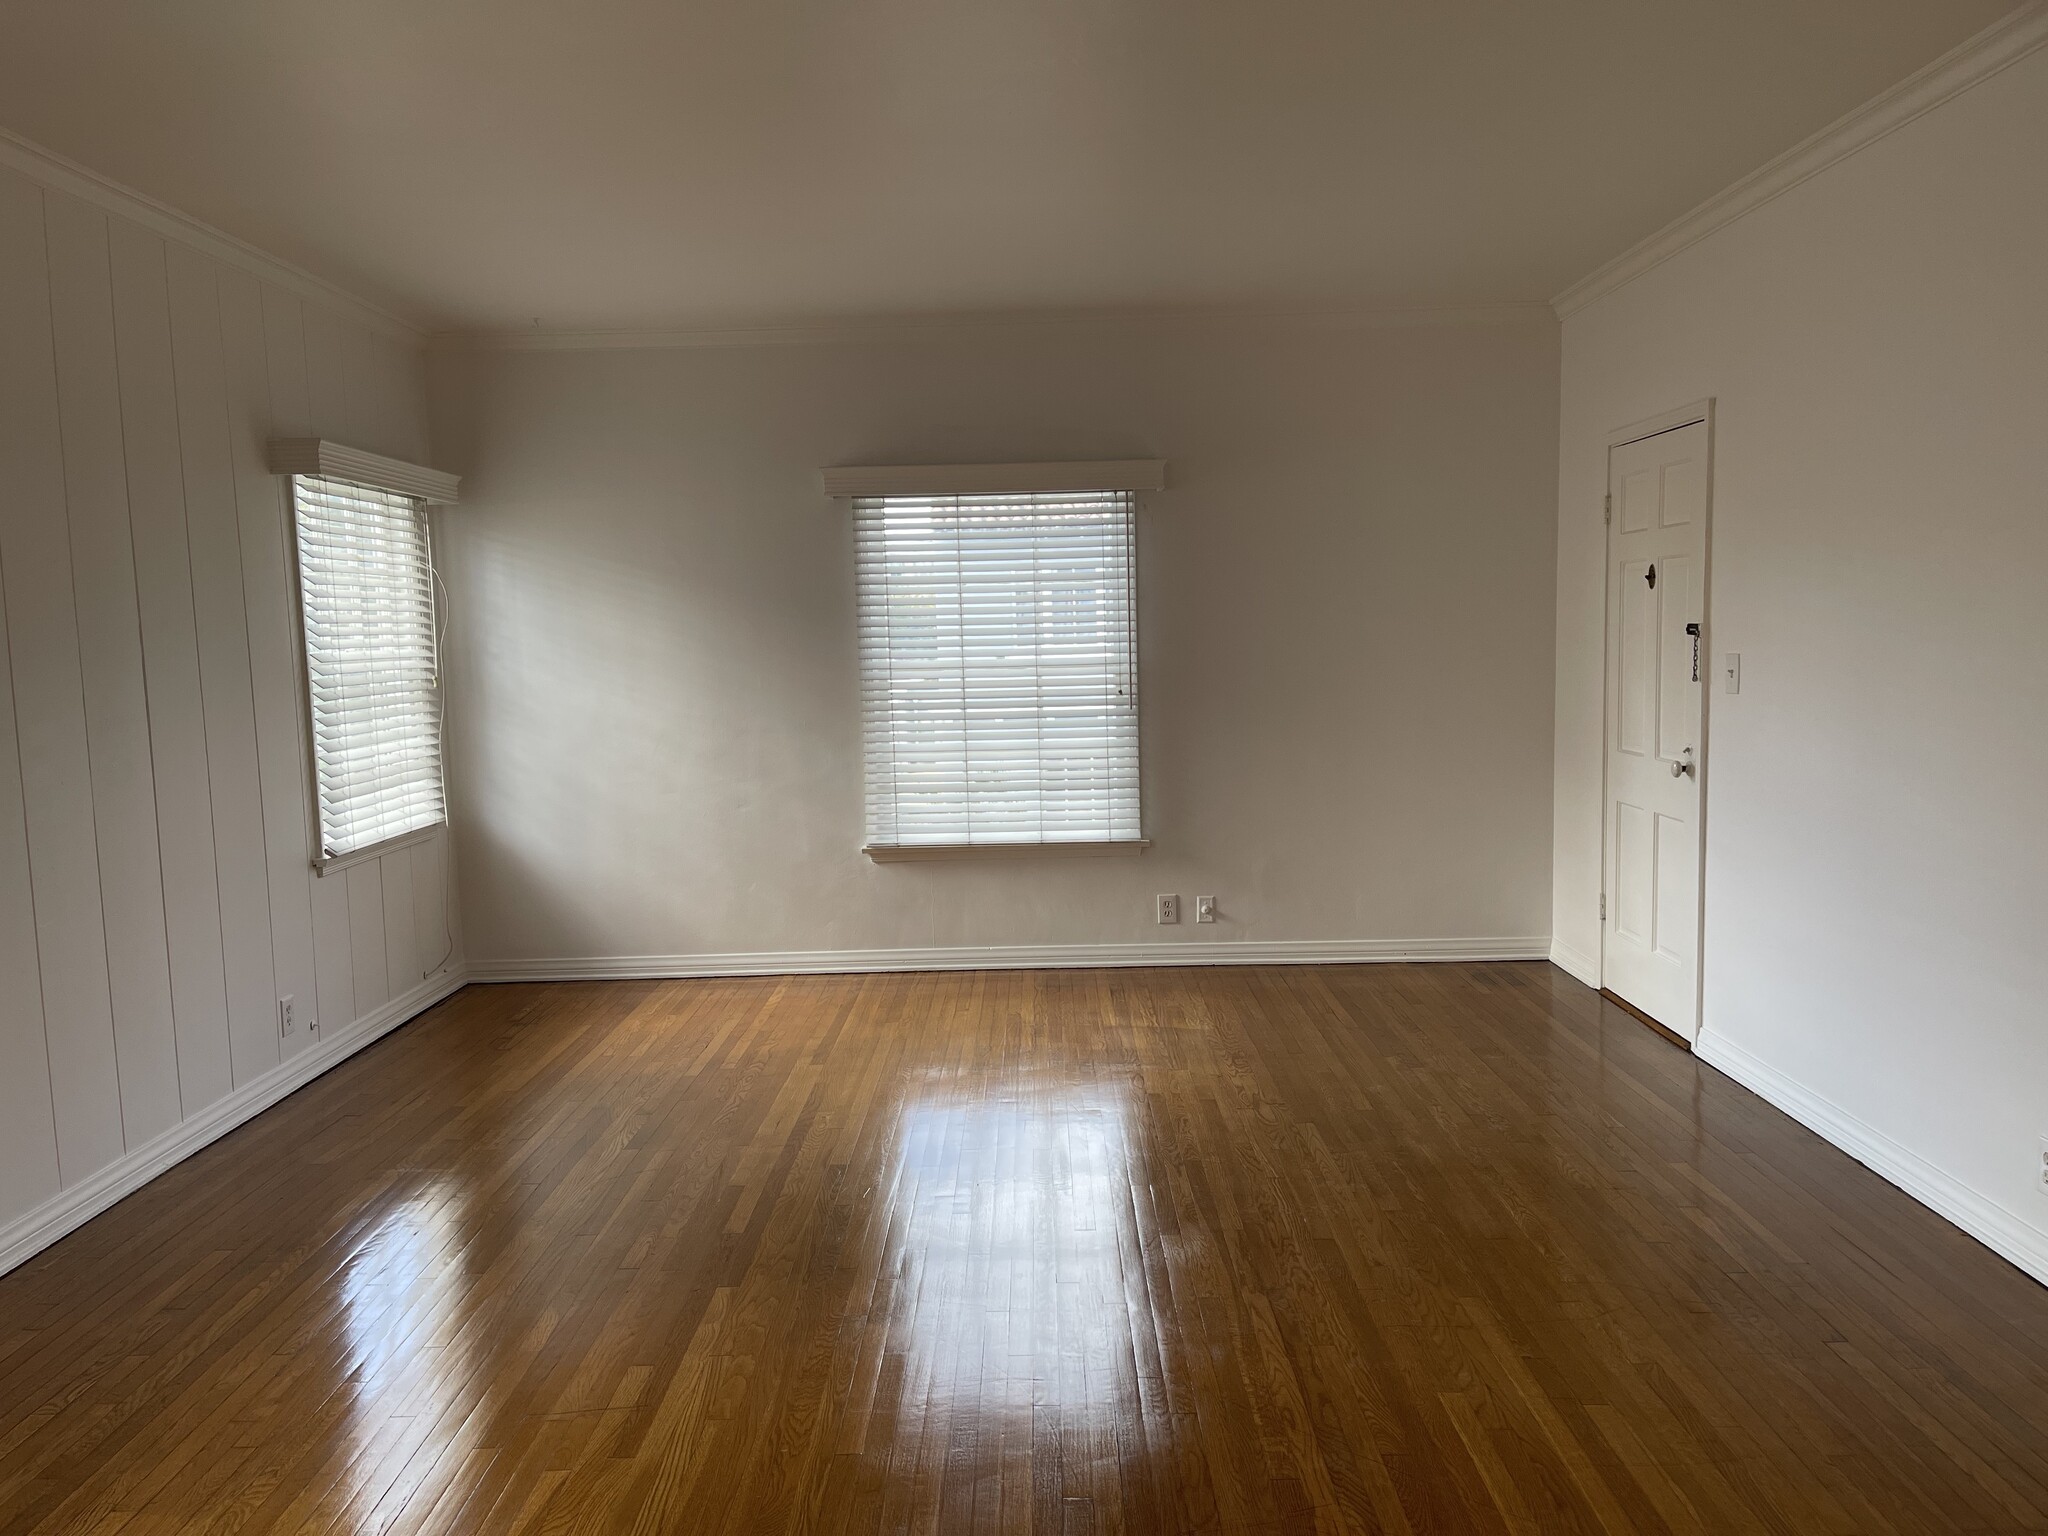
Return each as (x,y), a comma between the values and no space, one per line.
(1345,609)
(156,897)
(1877,859)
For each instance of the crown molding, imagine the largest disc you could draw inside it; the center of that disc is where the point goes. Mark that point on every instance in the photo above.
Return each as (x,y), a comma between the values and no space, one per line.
(50,169)
(2004,42)
(884,328)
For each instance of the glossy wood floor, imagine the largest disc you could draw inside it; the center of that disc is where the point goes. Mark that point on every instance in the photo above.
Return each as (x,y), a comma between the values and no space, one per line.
(1376,1248)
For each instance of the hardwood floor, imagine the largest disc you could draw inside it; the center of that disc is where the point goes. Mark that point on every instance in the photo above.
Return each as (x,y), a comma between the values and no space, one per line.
(1372,1248)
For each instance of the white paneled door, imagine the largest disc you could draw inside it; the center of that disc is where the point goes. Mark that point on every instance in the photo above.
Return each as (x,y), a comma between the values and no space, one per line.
(1656,656)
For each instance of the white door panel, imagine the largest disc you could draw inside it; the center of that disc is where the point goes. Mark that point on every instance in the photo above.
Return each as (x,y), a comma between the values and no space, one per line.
(1656,563)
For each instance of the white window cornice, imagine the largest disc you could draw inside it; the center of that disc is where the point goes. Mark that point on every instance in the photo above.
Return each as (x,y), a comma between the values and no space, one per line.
(994,479)
(328,460)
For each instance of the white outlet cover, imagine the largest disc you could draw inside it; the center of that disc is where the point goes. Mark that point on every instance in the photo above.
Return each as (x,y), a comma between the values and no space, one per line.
(1169,909)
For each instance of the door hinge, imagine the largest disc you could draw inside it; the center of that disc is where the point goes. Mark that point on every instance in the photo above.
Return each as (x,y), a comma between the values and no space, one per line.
(1608,515)
(1603,906)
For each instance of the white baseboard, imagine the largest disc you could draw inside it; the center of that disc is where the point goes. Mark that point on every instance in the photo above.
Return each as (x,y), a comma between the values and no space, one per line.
(827,962)
(1576,963)
(66,1211)
(2003,1232)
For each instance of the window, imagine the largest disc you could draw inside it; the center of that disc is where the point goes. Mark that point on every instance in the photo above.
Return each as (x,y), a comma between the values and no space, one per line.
(998,664)
(367,589)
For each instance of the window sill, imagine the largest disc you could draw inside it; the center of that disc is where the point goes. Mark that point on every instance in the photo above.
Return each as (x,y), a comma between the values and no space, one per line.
(913,853)
(325,867)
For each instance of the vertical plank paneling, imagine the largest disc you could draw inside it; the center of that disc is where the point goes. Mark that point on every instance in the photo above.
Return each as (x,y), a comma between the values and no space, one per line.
(327,375)
(284,341)
(334,982)
(366,934)
(110,656)
(293,397)
(214,532)
(49,702)
(430,903)
(170,663)
(401,934)
(28,1129)
(371,412)
(156,818)
(273,651)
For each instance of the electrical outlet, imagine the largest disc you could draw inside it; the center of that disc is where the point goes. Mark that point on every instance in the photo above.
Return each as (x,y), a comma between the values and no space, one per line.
(1205,909)
(1169,909)
(2041,1173)
(287,1016)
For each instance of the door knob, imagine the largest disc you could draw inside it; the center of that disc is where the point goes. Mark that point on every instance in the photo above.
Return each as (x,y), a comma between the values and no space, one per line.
(1683,766)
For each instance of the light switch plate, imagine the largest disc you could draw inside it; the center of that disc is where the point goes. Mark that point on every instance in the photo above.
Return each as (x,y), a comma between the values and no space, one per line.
(1731,672)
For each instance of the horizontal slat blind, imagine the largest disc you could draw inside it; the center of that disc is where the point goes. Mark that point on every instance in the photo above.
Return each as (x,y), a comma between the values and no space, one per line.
(366,584)
(998,668)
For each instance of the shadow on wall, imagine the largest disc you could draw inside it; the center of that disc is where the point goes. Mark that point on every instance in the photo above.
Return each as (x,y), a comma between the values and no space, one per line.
(692,727)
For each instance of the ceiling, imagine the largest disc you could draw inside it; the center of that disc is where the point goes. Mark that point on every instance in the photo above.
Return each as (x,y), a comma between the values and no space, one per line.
(660,163)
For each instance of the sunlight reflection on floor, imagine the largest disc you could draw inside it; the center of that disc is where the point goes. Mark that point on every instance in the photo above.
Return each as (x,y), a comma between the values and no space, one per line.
(411,1332)
(1012,1261)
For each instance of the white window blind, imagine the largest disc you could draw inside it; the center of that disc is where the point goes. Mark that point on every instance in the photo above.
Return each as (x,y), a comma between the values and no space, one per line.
(998,662)
(366,585)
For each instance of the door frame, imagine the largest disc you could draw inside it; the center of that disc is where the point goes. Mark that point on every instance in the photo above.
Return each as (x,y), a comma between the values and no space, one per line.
(1652,426)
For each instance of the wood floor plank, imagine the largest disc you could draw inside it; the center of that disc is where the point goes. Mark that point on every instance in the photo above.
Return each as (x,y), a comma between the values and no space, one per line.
(1406,1249)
